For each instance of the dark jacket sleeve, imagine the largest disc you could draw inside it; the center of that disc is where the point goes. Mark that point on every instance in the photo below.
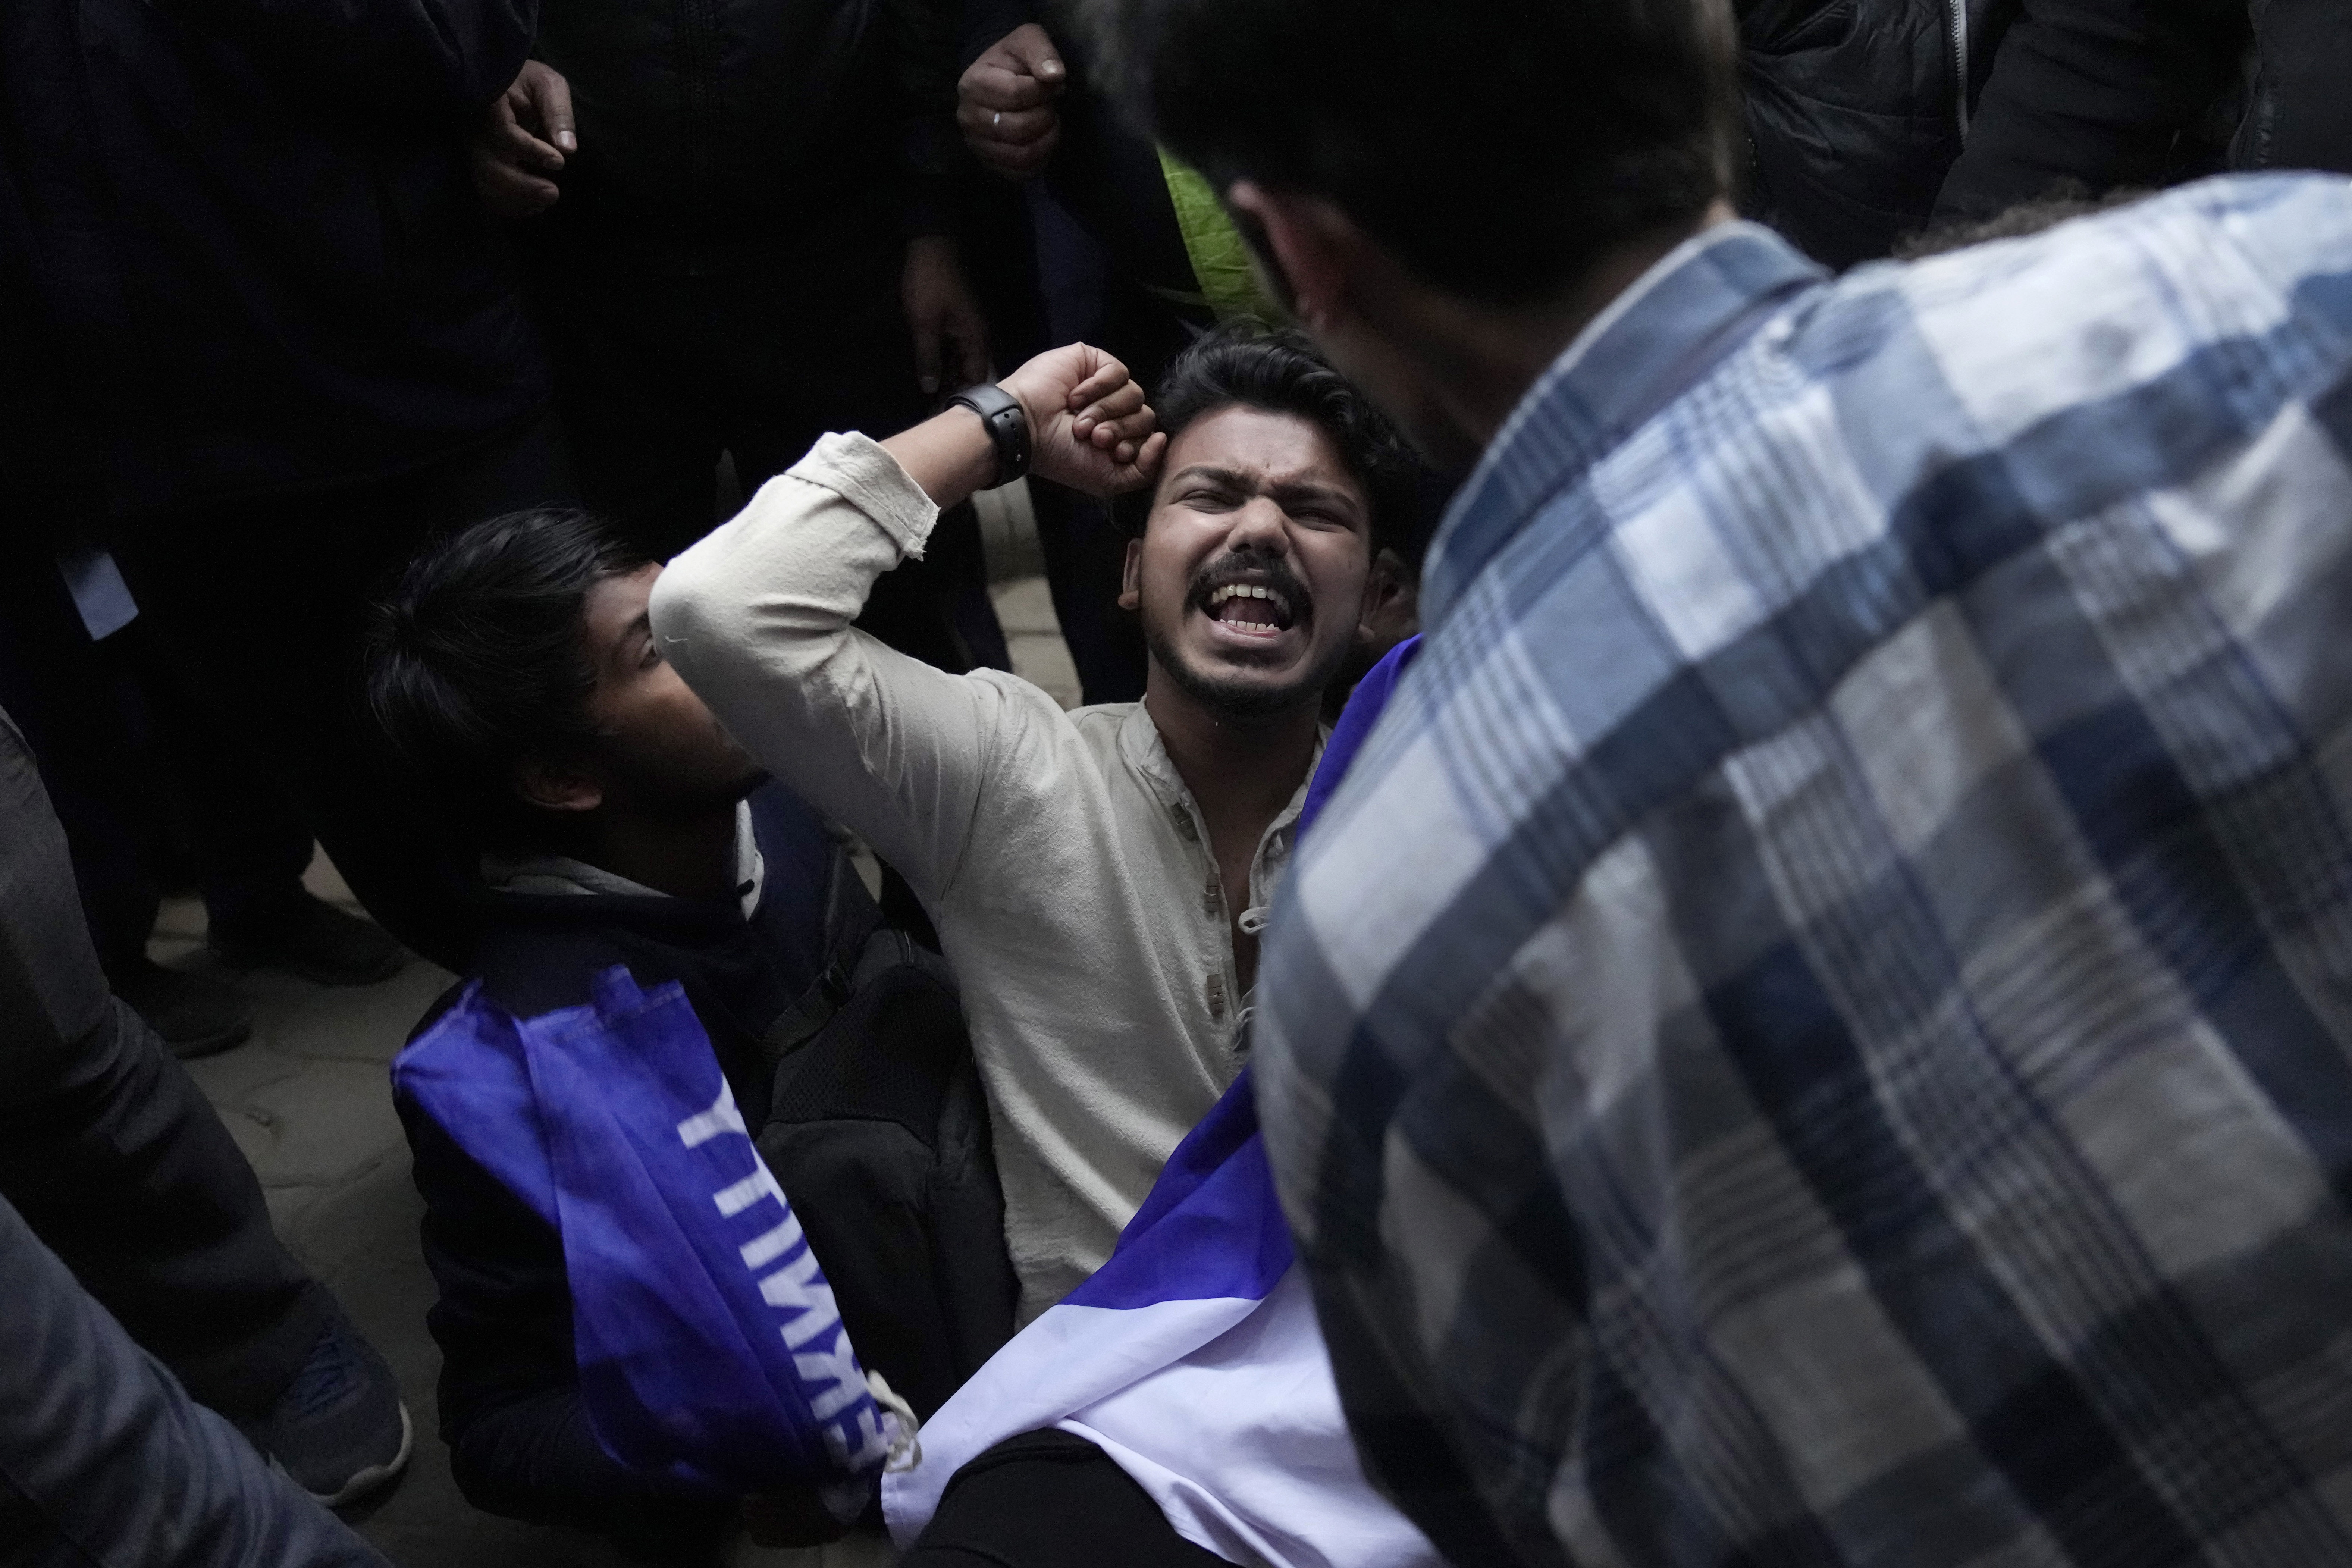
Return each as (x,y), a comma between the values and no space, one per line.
(2090,90)
(520,1441)
(981,23)
(428,61)
(923,46)
(2299,114)
(50,457)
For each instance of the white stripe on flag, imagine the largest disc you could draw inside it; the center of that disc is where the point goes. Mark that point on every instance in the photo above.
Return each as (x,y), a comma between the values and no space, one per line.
(1223,1410)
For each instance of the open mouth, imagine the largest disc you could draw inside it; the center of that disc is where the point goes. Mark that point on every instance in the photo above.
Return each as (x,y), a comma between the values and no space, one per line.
(1251,609)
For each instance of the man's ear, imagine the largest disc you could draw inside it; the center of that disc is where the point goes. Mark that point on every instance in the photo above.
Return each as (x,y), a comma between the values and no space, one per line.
(1391,602)
(1130,577)
(1317,247)
(554,788)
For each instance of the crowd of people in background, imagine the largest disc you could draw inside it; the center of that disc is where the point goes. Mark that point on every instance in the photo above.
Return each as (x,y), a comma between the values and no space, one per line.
(1790,555)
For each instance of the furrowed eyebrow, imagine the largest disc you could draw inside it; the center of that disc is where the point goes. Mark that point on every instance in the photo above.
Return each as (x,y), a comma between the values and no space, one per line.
(1233,477)
(1284,493)
(1307,491)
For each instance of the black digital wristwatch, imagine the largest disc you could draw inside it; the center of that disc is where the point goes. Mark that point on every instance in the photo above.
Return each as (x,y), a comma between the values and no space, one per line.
(1008,427)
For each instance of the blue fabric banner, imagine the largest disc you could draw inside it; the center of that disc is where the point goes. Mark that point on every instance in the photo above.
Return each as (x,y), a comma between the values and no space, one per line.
(707,1342)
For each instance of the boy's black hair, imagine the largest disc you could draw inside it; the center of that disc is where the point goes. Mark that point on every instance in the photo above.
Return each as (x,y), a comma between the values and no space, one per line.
(1497,147)
(1247,365)
(478,663)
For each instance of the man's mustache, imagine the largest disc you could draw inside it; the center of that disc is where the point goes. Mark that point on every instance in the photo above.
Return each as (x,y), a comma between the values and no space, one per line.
(1267,571)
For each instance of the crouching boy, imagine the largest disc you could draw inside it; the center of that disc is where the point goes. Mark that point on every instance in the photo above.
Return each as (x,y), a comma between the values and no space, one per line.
(678,961)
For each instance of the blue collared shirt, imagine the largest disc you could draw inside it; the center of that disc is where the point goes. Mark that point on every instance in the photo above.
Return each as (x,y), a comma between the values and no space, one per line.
(1816,1030)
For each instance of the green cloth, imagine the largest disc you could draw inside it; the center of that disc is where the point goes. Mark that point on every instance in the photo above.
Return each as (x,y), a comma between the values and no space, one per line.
(1220,257)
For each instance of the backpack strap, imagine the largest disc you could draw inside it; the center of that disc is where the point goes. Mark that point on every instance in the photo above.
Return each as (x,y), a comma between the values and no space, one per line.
(851,920)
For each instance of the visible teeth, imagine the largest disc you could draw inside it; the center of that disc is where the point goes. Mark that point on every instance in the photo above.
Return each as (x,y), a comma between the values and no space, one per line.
(1249,591)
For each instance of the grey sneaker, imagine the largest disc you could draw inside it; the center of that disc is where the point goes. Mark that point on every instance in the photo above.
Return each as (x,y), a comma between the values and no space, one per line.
(339,1428)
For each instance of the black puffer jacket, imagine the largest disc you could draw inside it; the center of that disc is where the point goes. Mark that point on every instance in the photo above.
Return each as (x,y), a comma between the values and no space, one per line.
(712,124)
(1855,110)
(250,226)
(2107,93)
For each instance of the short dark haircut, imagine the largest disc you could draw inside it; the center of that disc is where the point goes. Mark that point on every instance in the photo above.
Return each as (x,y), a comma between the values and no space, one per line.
(1497,146)
(477,662)
(1280,373)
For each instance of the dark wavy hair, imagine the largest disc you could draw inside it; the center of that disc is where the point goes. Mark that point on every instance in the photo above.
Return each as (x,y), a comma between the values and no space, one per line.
(477,663)
(1497,147)
(1249,366)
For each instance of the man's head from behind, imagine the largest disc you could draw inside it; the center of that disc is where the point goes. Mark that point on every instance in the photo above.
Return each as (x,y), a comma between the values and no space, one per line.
(1280,484)
(1494,153)
(515,670)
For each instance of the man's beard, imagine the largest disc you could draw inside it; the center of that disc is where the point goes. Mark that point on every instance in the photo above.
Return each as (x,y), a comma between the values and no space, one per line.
(1241,699)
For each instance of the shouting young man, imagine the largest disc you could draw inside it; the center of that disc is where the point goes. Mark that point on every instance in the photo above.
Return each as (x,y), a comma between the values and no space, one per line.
(1096,878)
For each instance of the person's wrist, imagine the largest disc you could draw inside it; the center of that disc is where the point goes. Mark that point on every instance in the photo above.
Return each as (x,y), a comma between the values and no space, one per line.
(975,448)
(1007,424)
(930,253)
(1033,409)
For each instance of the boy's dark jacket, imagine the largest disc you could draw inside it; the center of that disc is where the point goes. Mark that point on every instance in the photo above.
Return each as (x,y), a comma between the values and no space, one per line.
(845,1047)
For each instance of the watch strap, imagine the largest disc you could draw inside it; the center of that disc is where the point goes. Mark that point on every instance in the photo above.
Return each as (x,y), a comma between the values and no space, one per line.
(1006,422)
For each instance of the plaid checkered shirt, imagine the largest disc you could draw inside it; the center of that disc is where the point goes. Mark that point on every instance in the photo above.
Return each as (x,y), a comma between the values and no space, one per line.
(1816,1030)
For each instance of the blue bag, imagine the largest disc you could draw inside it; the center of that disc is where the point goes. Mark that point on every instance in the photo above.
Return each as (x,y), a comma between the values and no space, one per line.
(709,1345)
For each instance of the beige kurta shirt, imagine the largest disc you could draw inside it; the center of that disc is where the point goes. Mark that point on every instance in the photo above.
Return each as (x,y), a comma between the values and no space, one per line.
(1063,861)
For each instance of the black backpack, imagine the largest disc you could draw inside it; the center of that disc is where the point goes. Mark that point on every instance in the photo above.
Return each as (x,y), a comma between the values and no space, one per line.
(878,1129)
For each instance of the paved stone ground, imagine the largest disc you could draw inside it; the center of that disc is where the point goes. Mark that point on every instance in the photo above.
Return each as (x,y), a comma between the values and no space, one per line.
(309,1099)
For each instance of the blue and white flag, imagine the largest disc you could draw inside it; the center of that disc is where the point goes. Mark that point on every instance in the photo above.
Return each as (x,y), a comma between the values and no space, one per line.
(709,1345)
(1193,1357)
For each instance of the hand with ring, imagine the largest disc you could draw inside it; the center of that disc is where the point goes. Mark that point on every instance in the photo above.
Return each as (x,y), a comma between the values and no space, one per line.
(1005,104)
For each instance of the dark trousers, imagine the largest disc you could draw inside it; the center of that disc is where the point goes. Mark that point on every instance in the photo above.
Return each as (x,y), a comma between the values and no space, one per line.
(142,777)
(658,374)
(103,1458)
(264,604)
(1050,1499)
(1044,282)
(113,1157)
